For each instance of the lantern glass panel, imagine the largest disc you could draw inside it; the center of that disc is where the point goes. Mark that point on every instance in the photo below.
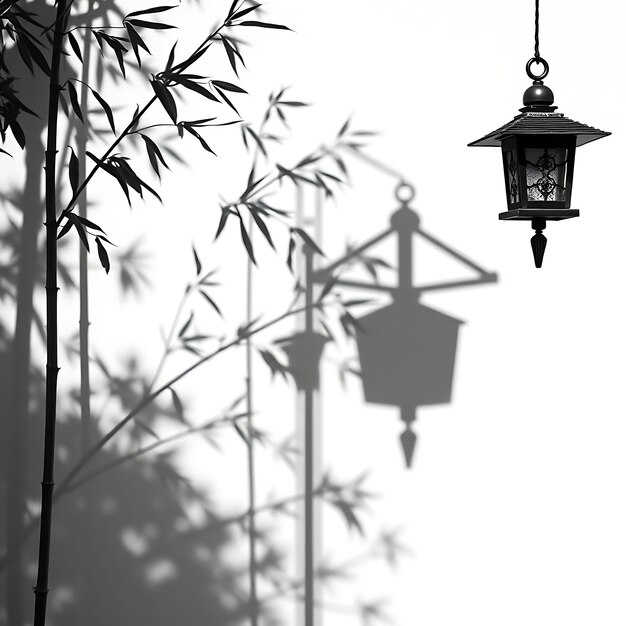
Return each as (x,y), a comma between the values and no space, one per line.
(513,175)
(546,174)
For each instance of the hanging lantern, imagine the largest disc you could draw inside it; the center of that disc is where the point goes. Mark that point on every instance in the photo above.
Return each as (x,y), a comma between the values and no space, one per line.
(538,148)
(304,352)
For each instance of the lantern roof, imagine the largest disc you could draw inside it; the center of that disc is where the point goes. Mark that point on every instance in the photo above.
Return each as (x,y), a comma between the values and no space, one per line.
(542,123)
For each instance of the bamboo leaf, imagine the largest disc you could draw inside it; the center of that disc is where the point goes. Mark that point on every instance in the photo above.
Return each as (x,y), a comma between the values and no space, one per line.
(18,133)
(74,101)
(107,109)
(225,99)
(228,86)
(73,171)
(178,406)
(203,91)
(263,25)
(232,8)
(241,433)
(185,326)
(170,57)
(24,53)
(147,428)
(257,139)
(75,46)
(262,226)
(119,53)
(276,367)
(158,9)
(246,329)
(341,165)
(103,255)
(112,171)
(347,511)
(90,224)
(328,285)
(197,261)
(136,42)
(307,240)
(245,11)
(36,55)
(80,229)
(132,179)
(166,98)
(152,25)
(231,54)
(344,128)
(199,137)
(65,229)
(246,240)
(211,302)
(292,245)
(154,154)
(225,215)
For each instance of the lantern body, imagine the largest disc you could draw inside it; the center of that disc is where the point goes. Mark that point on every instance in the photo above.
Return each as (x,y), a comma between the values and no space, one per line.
(538,174)
(407,353)
(538,149)
(304,352)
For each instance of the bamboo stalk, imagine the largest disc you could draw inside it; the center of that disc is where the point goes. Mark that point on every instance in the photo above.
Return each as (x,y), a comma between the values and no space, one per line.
(52,366)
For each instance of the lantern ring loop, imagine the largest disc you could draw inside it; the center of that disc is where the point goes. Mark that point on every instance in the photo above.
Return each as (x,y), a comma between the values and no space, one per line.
(405,192)
(538,61)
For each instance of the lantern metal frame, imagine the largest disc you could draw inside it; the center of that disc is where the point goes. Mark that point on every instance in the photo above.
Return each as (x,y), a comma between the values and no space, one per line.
(524,208)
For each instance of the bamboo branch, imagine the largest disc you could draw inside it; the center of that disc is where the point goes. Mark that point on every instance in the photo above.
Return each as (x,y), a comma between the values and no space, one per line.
(149,398)
(63,487)
(135,119)
(153,446)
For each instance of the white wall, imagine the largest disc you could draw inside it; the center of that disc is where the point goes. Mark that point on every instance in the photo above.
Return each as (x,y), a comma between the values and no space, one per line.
(514,509)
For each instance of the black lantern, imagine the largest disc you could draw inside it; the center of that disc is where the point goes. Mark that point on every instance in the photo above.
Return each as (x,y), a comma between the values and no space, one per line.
(538,148)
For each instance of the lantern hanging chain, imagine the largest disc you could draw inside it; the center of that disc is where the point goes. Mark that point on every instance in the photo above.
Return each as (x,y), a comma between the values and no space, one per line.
(537,55)
(537,58)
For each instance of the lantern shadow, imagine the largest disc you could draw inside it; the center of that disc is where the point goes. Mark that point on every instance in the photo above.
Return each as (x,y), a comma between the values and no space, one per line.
(407,350)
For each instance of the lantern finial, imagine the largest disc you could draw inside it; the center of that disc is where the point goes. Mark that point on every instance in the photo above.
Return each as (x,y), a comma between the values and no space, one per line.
(408,438)
(538,241)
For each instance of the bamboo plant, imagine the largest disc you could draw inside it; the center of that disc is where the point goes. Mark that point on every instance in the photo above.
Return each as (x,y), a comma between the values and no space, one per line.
(57,225)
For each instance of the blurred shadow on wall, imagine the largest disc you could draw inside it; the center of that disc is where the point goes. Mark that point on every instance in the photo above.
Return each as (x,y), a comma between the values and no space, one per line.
(142,567)
(150,563)
(406,350)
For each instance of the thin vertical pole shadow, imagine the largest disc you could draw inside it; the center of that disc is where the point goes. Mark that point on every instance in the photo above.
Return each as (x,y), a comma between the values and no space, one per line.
(309,518)
(254,608)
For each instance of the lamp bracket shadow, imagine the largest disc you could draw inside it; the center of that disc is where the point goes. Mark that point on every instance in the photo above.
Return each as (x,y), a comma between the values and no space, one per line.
(405,312)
